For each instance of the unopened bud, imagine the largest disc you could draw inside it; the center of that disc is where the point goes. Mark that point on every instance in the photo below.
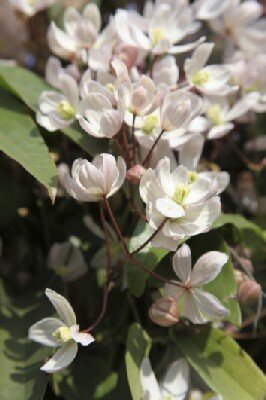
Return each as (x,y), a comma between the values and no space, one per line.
(239,277)
(135,174)
(249,292)
(247,263)
(164,312)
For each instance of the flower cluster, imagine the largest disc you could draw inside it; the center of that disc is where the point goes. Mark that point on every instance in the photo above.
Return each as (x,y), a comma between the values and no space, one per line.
(127,84)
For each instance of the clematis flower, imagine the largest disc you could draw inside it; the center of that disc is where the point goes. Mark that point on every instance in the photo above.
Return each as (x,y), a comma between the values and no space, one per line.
(62,333)
(101,119)
(220,116)
(31,7)
(54,69)
(242,24)
(160,33)
(59,110)
(103,177)
(67,260)
(79,34)
(210,79)
(189,203)
(174,385)
(199,305)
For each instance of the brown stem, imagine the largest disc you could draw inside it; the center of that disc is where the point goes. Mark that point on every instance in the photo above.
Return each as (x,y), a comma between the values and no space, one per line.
(103,311)
(249,164)
(115,225)
(119,147)
(150,238)
(148,156)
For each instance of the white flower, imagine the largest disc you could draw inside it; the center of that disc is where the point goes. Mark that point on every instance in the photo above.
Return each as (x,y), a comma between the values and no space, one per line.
(220,116)
(67,260)
(210,79)
(159,33)
(174,385)
(241,23)
(63,333)
(54,69)
(103,177)
(210,9)
(79,35)
(188,202)
(101,119)
(59,110)
(31,7)
(199,305)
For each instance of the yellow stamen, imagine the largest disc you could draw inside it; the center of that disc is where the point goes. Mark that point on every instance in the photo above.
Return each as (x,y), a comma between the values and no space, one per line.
(200,77)
(214,113)
(192,176)
(156,36)
(65,110)
(151,122)
(110,87)
(181,193)
(62,334)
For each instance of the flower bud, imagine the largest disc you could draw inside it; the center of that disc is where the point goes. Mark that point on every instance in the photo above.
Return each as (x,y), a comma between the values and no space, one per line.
(135,174)
(239,277)
(249,292)
(164,312)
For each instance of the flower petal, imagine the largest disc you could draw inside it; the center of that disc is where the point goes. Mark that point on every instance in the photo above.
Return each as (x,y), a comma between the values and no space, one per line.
(62,358)
(81,337)
(207,268)
(62,306)
(42,331)
(182,263)
(192,311)
(210,305)
(169,208)
(148,381)
(175,382)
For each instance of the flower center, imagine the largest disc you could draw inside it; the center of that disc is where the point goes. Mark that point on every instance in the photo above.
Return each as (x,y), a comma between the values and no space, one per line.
(167,398)
(214,113)
(62,334)
(192,176)
(200,77)
(31,3)
(181,193)
(151,122)
(110,87)
(157,34)
(65,110)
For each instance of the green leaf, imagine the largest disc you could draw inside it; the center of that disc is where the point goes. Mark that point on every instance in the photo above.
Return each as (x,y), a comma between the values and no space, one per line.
(138,347)
(88,378)
(239,222)
(224,285)
(149,256)
(21,359)
(223,365)
(28,87)
(21,140)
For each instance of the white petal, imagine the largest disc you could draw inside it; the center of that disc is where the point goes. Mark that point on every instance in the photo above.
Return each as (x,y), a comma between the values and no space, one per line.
(182,263)
(163,242)
(210,305)
(173,291)
(208,267)
(180,176)
(42,331)
(192,310)
(190,152)
(200,190)
(219,131)
(198,59)
(70,89)
(148,381)
(222,177)
(81,337)
(169,208)
(164,177)
(122,168)
(62,358)
(176,380)
(62,306)
(210,9)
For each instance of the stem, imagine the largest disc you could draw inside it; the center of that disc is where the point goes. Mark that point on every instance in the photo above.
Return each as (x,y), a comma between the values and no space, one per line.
(148,156)
(249,164)
(115,225)
(104,307)
(240,263)
(150,238)
(107,242)
(119,147)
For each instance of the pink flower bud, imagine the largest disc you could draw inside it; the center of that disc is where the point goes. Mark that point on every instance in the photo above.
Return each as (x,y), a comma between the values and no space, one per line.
(164,312)
(135,174)
(249,292)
